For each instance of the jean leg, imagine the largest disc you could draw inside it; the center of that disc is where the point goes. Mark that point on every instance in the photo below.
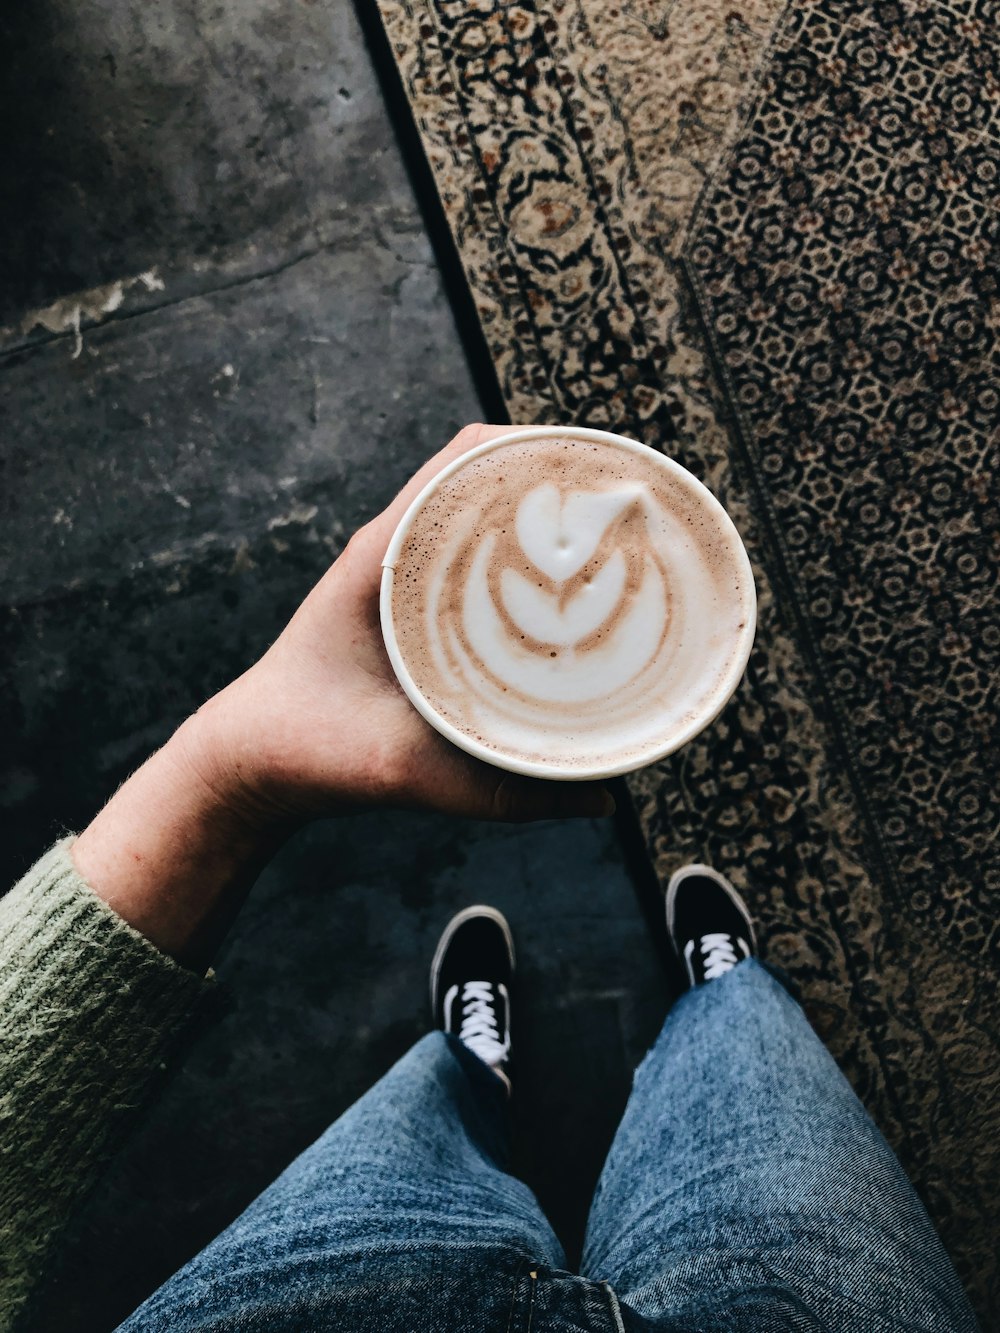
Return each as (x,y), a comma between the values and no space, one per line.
(400,1217)
(748,1188)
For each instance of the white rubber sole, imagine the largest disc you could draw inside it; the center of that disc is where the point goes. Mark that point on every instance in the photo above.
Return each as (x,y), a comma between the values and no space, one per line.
(457,920)
(696,868)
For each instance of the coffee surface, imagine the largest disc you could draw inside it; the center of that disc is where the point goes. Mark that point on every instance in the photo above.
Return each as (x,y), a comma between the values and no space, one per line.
(570,602)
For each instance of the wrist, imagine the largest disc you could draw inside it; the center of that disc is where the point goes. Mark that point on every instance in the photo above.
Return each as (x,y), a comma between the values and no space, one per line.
(174,854)
(226,774)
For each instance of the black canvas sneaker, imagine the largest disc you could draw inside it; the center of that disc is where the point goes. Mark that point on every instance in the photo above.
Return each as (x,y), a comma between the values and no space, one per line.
(708,923)
(471,978)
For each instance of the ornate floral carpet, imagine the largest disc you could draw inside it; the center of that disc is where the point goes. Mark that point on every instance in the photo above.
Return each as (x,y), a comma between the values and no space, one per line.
(768,242)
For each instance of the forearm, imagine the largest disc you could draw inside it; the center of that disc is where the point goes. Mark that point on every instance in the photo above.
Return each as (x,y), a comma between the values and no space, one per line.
(103,947)
(171,854)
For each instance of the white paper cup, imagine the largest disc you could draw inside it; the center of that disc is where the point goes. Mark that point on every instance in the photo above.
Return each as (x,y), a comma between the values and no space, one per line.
(712,704)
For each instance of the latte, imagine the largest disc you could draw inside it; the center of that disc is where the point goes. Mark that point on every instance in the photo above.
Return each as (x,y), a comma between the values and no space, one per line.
(567,603)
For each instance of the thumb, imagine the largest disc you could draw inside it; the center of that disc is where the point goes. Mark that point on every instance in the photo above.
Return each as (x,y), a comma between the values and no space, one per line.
(441,777)
(516,799)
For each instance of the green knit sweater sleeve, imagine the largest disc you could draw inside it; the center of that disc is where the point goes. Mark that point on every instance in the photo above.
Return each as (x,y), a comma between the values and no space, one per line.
(88,1009)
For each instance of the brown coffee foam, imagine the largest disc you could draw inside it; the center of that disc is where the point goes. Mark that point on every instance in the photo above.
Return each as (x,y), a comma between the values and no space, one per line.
(483,498)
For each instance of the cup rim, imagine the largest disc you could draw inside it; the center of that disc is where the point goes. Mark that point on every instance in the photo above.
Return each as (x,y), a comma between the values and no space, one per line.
(539,768)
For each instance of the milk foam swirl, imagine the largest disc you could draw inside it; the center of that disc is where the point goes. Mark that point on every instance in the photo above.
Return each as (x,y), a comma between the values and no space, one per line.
(564,602)
(566,608)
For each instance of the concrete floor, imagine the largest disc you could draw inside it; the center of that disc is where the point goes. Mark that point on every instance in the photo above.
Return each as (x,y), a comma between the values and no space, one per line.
(269,352)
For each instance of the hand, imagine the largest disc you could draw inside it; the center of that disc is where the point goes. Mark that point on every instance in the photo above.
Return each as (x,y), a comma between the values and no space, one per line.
(320,724)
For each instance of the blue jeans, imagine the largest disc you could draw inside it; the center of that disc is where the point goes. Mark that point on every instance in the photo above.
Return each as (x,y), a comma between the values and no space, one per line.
(747,1189)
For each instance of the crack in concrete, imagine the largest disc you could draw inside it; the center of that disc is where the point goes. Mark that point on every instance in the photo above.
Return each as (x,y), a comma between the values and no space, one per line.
(102,305)
(67,314)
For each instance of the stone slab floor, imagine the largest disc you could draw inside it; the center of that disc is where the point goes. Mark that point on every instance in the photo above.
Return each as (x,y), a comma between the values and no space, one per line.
(225,343)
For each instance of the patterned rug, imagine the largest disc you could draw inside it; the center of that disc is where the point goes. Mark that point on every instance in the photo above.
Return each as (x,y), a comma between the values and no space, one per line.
(769,243)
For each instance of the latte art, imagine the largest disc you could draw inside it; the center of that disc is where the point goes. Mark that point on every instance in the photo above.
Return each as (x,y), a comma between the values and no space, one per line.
(567,603)
(568,607)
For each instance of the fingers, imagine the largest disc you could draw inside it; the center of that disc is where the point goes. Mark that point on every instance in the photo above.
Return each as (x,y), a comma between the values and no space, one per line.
(368,545)
(469,438)
(434,774)
(480,791)
(373,539)
(519,800)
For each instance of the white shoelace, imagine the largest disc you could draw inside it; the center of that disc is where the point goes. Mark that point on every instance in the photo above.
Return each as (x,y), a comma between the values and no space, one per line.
(718,953)
(479,1030)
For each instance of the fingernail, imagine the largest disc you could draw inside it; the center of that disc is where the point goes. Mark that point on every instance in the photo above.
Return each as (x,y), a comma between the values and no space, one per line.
(597,803)
(608,803)
(572,801)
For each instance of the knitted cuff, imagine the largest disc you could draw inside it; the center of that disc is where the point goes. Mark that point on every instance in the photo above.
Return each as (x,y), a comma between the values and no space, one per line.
(56,933)
(88,1010)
